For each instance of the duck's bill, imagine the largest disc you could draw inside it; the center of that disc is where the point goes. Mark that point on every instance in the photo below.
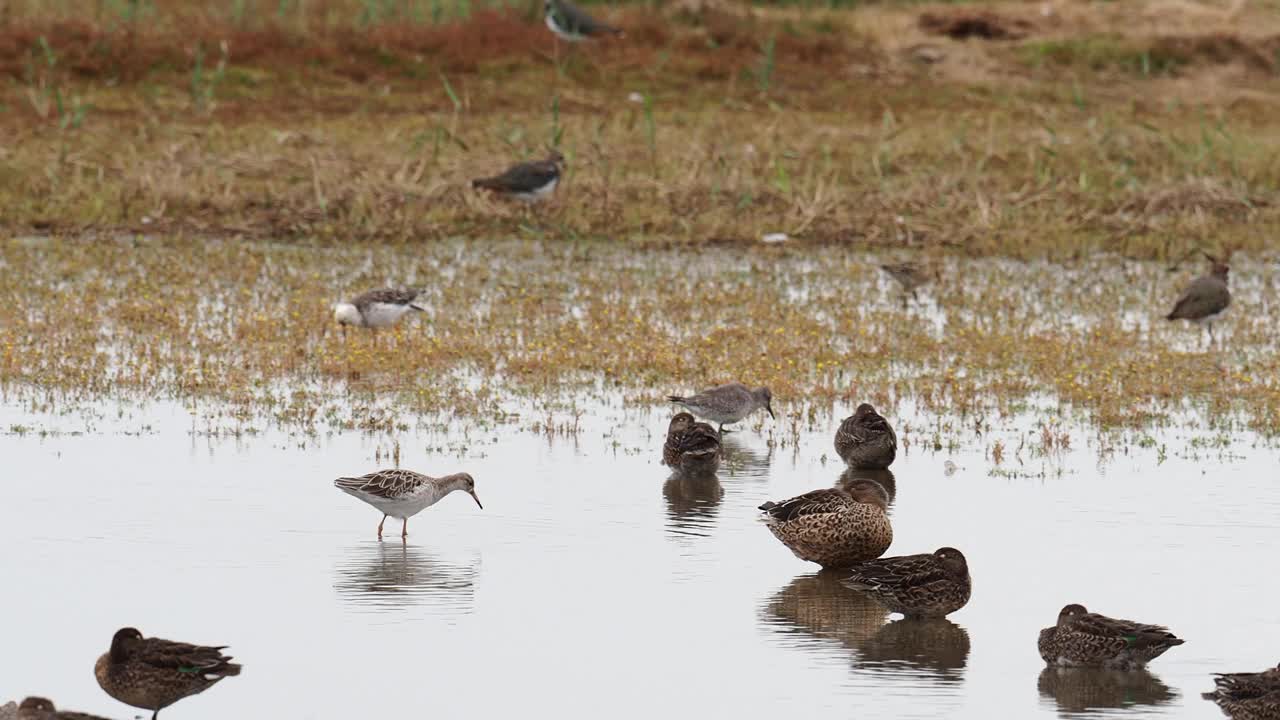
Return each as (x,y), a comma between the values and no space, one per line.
(771,412)
(476,498)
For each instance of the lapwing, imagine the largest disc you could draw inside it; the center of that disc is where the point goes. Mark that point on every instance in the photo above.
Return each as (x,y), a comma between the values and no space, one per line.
(527,181)
(1205,299)
(572,23)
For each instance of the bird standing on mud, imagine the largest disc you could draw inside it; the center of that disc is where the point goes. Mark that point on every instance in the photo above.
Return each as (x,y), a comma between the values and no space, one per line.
(572,23)
(910,275)
(1205,299)
(377,308)
(527,181)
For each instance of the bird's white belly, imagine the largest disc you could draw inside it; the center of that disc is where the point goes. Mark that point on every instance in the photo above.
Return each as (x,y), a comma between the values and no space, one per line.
(539,194)
(560,32)
(384,314)
(402,508)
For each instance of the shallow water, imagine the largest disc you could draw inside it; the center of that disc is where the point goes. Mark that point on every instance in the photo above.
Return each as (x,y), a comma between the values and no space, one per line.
(592,582)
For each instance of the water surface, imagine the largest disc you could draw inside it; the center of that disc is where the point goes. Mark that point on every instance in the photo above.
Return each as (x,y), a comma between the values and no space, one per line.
(594,582)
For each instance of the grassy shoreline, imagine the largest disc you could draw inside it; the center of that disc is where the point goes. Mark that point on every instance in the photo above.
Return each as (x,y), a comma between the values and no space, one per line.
(243,329)
(710,124)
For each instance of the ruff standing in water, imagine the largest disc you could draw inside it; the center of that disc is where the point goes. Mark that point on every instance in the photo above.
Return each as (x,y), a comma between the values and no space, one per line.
(726,404)
(402,494)
(691,447)
(38,708)
(1205,299)
(527,181)
(152,674)
(933,585)
(865,441)
(377,308)
(1248,696)
(1085,639)
(834,528)
(572,23)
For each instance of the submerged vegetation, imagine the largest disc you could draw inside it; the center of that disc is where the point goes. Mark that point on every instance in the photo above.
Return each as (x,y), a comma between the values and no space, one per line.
(242,330)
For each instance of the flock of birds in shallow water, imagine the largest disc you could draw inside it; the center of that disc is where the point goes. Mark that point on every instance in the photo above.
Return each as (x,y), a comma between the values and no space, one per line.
(845,529)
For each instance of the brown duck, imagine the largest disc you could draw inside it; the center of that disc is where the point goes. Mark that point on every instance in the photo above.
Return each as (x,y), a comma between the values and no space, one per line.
(836,528)
(691,447)
(1248,696)
(932,585)
(38,708)
(865,441)
(1085,639)
(152,674)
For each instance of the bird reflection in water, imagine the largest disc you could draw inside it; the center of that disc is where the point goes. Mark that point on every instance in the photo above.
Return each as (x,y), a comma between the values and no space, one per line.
(937,646)
(883,477)
(742,460)
(390,576)
(818,609)
(1078,690)
(693,502)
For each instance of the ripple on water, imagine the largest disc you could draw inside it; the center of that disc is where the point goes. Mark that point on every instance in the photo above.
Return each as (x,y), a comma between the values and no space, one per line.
(391,576)
(1090,691)
(693,502)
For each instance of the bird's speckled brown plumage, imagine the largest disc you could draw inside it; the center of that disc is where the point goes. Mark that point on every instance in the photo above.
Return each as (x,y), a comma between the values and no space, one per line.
(931,585)
(1248,696)
(834,528)
(152,674)
(691,446)
(38,708)
(387,296)
(1085,639)
(865,441)
(910,275)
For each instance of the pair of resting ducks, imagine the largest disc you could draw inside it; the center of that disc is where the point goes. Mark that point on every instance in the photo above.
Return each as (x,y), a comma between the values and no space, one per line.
(848,529)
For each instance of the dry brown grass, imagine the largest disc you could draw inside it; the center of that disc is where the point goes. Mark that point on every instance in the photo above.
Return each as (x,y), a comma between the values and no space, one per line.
(852,128)
(166,155)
